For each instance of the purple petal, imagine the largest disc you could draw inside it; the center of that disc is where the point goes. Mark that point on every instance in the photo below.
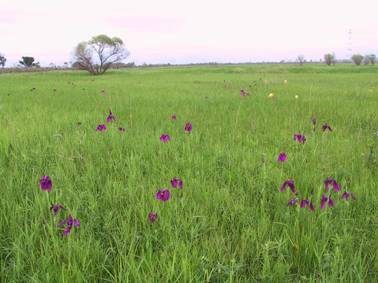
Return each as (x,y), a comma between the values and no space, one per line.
(163,195)
(323,201)
(330,202)
(152,217)
(45,183)
(292,201)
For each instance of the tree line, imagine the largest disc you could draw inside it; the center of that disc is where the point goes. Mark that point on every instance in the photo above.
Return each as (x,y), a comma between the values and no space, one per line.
(102,52)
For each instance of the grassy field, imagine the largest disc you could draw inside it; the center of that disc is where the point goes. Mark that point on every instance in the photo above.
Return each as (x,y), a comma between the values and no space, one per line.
(230,222)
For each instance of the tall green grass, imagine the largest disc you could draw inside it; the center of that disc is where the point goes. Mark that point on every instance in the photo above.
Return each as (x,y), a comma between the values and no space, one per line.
(229,223)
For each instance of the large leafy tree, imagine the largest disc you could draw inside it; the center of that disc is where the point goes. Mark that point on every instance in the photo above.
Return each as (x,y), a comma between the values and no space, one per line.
(100,53)
(28,62)
(2,60)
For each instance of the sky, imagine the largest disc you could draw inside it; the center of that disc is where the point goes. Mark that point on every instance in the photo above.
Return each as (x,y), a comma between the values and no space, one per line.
(194,31)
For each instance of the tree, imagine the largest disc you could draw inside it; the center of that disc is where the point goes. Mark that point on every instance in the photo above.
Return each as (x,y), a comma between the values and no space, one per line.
(300,59)
(329,59)
(28,62)
(371,58)
(357,59)
(2,60)
(100,53)
(366,60)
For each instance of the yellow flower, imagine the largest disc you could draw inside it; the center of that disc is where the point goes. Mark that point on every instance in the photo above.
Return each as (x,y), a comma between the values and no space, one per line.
(285,81)
(271,95)
(296,97)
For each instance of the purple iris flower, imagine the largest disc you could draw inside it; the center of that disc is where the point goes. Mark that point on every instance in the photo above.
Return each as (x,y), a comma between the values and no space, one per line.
(326,127)
(299,138)
(293,201)
(325,200)
(330,181)
(121,129)
(177,183)
(152,217)
(165,138)
(306,203)
(110,117)
(282,157)
(347,195)
(188,127)
(68,224)
(288,183)
(101,128)
(45,183)
(163,195)
(174,117)
(56,207)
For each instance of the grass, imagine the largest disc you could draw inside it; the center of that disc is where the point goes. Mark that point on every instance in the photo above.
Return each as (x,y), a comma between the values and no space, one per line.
(229,223)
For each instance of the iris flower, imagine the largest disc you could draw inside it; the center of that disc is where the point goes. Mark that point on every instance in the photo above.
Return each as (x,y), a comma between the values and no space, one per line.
(330,181)
(306,203)
(282,157)
(68,224)
(177,183)
(111,117)
(292,201)
(165,138)
(299,138)
(188,127)
(56,207)
(152,217)
(101,128)
(325,200)
(326,127)
(347,195)
(45,183)
(288,183)
(163,195)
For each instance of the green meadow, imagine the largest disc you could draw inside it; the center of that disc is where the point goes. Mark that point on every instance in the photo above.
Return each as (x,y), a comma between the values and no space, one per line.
(230,222)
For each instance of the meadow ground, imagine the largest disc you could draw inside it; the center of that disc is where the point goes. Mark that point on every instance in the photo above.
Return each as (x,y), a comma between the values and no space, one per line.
(230,222)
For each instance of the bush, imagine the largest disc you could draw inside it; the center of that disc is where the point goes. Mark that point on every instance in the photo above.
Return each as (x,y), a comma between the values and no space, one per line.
(357,59)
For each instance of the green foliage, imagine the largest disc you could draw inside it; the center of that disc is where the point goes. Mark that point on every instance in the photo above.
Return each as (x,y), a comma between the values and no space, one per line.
(229,223)
(28,62)
(329,59)
(357,59)
(99,54)
(2,60)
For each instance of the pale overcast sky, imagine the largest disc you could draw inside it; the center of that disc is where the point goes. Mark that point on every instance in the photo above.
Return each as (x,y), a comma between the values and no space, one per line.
(182,31)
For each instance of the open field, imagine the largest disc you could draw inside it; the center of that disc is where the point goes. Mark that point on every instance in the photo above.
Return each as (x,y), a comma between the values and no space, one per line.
(229,222)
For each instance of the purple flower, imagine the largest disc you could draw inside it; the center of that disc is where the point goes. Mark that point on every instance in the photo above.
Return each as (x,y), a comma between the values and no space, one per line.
(306,203)
(163,195)
(177,183)
(188,127)
(288,183)
(347,195)
(56,207)
(111,117)
(299,138)
(325,200)
(282,157)
(121,129)
(69,223)
(45,183)
(243,93)
(152,217)
(293,201)
(165,138)
(101,128)
(330,181)
(174,117)
(326,127)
